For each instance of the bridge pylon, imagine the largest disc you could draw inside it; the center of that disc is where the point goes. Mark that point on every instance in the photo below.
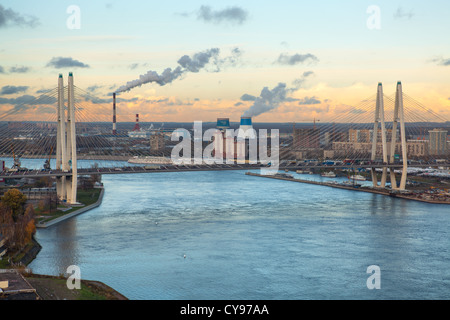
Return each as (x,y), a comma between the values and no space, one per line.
(66,148)
(380,121)
(399,117)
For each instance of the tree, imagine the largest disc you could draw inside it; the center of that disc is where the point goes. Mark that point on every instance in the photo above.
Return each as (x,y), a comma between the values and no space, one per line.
(17,223)
(43,182)
(15,200)
(30,226)
(50,202)
(23,229)
(6,222)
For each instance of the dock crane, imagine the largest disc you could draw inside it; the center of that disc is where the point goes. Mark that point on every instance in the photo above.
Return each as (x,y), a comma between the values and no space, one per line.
(17,165)
(314,121)
(47,161)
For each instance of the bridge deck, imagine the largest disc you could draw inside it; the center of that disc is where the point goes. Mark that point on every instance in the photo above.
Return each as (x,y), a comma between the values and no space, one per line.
(188,168)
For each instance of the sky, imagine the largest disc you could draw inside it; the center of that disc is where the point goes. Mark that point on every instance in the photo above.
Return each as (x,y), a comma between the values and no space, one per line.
(277,61)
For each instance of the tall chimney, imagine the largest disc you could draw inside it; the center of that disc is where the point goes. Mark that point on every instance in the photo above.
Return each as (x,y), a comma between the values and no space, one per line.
(136,126)
(114,115)
(246,123)
(223,123)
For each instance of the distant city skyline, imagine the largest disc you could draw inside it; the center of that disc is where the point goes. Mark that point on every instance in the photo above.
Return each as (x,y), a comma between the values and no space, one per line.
(284,61)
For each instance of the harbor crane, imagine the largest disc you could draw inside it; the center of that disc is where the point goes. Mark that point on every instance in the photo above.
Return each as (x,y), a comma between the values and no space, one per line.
(314,121)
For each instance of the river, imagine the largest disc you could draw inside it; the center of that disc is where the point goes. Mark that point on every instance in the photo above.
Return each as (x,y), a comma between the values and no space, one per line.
(227,236)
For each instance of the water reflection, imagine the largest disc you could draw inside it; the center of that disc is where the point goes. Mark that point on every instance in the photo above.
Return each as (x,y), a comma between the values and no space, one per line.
(66,246)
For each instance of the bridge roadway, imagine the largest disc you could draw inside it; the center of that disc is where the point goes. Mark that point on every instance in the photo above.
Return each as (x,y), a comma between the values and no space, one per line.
(186,168)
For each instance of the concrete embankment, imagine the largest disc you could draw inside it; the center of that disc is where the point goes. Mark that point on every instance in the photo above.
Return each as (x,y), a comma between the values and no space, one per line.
(361,189)
(73,214)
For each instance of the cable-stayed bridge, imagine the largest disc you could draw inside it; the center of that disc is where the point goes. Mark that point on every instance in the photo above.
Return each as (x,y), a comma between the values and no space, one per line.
(71,132)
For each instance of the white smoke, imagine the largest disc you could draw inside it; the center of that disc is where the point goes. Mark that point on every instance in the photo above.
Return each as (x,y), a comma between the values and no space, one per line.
(186,64)
(271,99)
(268,100)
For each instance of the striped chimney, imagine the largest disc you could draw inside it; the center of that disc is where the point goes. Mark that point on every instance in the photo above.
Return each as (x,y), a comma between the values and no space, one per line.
(114,115)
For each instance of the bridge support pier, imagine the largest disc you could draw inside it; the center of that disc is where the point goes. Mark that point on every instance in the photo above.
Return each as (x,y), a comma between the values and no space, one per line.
(66,149)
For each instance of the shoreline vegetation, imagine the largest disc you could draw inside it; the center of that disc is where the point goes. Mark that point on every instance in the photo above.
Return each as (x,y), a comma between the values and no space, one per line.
(88,199)
(54,287)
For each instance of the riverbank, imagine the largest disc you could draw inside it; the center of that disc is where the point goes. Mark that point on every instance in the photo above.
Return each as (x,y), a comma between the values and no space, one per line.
(55,288)
(46,223)
(352,188)
(48,287)
(22,284)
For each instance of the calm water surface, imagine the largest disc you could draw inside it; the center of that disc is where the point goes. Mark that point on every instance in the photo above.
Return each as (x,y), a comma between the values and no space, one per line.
(251,238)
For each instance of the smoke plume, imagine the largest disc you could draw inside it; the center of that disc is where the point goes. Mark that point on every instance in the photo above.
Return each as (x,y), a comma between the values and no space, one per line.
(270,99)
(187,64)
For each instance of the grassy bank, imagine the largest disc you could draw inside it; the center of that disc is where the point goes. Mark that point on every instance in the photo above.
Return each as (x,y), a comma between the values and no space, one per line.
(84,197)
(55,288)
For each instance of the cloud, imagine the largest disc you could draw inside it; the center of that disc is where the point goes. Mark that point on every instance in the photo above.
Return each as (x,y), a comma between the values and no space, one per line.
(442,61)
(133,66)
(248,97)
(401,14)
(285,59)
(10,18)
(66,62)
(232,59)
(307,73)
(43,91)
(26,103)
(324,109)
(2,70)
(309,101)
(13,89)
(29,100)
(298,83)
(93,88)
(358,111)
(137,65)
(19,69)
(235,15)
(18,100)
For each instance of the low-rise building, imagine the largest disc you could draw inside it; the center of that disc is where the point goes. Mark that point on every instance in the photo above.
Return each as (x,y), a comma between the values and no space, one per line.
(415,148)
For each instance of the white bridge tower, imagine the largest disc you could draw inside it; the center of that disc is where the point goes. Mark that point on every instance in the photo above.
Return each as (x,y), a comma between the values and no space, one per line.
(379,120)
(66,146)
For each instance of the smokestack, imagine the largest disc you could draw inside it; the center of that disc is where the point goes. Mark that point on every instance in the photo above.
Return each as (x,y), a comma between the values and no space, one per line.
(223,123)
(114,115)
(246,123)
(136,126)
(246,128)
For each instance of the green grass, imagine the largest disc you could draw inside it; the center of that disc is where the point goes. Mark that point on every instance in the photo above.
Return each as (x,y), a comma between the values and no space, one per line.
(4,263)
(87,294)
(85,197)
(88,197)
